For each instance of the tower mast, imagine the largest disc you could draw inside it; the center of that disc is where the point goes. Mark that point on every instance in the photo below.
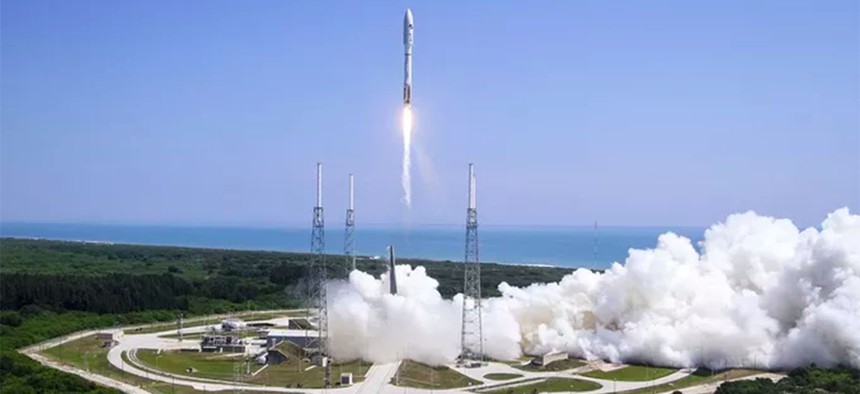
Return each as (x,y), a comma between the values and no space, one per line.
(349,233)
(317,298)
(472,337)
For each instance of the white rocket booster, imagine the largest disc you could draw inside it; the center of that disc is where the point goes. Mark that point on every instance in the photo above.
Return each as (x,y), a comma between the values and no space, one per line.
(407,61)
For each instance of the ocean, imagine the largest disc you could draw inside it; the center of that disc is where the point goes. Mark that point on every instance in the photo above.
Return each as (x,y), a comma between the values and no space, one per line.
(557,246)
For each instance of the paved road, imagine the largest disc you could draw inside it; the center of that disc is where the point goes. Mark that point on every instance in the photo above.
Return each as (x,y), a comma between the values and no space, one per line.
(376,381)
(712,387)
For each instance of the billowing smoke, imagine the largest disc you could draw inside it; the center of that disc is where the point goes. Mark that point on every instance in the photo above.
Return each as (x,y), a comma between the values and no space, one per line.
(761,294)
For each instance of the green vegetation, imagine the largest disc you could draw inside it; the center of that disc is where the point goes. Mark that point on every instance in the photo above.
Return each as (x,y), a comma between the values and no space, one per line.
(498,386)
(295,373)
(234,276)
(502,376)
(32,324)
(551,385)
(87,354)
(560,365)
(632,373)
(413,374)
(203,365)
(699,377)
(801,381)
(52,288)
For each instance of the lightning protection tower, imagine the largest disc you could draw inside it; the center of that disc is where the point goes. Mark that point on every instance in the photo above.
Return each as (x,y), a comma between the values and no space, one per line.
(317,299)
(472,337)
(349,233)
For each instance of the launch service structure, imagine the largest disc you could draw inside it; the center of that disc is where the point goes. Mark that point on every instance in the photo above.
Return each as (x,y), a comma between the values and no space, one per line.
(349,231)
(317,298)
(472,336)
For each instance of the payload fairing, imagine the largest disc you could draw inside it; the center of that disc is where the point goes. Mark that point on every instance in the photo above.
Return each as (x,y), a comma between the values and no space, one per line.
(408,36)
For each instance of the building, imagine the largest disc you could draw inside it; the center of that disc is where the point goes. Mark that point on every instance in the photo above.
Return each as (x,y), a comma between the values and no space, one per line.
(222,342)
(109,338)
(548,358)
(346,379)
(284,352)
(275,336)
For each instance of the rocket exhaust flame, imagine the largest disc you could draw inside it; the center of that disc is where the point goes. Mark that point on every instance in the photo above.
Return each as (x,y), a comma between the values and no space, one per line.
(406,177)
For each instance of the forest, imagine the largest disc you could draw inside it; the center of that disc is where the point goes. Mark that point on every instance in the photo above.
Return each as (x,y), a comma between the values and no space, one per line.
(52,288)
(125,278)
(809,380)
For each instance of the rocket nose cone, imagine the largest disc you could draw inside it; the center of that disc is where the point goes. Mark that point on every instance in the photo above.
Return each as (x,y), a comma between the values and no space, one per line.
(408,18)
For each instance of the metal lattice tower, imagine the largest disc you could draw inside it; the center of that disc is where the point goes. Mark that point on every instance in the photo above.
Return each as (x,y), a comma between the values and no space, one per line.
(317,299)
(349,233)
(472,336)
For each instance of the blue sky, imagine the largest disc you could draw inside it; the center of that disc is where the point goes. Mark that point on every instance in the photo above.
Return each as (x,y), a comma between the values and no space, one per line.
(629,113)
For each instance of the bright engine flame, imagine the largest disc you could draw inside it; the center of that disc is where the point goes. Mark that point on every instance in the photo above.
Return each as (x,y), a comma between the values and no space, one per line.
(406,178)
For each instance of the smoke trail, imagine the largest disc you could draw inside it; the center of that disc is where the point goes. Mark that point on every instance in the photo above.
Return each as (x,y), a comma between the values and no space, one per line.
(406,176)
(761,294)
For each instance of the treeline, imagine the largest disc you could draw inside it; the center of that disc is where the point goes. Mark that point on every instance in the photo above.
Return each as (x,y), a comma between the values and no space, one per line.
(275,278)
(52,288)
(809,380)
(112,293)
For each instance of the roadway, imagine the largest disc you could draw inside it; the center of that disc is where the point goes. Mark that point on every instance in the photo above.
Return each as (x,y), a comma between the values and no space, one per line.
(377,379)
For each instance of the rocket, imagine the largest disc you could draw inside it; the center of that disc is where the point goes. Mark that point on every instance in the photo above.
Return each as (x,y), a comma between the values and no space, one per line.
(407,61)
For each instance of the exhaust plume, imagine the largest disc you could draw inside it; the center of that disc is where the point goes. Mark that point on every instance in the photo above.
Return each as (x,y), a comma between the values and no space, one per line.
(761,294)
(406,176)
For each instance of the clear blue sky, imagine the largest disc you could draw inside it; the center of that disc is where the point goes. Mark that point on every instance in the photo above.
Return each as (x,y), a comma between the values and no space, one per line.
(630,113)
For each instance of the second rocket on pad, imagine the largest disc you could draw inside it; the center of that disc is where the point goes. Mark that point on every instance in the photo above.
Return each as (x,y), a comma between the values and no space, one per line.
(407,46)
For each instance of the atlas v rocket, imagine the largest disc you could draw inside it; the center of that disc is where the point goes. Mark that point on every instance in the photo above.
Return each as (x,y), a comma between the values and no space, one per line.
(407,61)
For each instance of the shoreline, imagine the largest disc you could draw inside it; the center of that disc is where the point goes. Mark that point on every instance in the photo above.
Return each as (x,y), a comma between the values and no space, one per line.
(360,257)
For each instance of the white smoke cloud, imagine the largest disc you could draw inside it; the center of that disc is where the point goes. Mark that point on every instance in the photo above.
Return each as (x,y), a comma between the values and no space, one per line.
(761,294)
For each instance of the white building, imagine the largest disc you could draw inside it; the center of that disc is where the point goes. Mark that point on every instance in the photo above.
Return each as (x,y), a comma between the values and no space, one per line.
(109,338)
(548,358)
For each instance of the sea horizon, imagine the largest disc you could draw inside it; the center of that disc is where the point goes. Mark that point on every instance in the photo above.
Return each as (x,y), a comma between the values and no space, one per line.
(567,246)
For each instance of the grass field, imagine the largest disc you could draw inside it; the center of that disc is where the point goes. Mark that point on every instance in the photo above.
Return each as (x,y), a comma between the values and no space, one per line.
(502,376)
(205,365)
(413,374)
(632,373)
(551,385)
(295,374)
(701,376)
(560,365)
(80,353)
(87,354)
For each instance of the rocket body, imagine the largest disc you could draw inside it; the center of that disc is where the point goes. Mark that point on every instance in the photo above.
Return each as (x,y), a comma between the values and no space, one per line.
(408,36)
